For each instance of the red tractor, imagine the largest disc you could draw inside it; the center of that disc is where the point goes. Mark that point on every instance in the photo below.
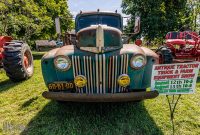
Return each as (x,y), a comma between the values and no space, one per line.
(16,58)
(180,47)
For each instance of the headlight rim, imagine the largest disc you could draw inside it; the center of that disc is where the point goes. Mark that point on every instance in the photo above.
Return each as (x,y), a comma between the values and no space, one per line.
(133,57)
(65,57)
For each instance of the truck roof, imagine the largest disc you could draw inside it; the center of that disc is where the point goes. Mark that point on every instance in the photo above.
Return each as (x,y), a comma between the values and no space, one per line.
(98,12)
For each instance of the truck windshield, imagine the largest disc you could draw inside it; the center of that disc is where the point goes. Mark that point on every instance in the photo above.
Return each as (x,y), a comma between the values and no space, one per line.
(109,20)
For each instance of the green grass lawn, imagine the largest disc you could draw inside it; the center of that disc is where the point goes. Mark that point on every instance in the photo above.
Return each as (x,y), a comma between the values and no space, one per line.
(23,110)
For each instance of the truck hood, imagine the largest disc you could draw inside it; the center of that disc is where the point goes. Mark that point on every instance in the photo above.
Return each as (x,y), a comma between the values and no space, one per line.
(126,49)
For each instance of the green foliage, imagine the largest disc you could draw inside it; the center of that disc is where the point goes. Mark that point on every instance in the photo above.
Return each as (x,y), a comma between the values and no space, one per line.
(195,13)
(33,19)
(158,16)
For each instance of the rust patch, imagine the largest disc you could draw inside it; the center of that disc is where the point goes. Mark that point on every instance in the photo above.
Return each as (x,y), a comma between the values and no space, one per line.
(151,53)
(131,49)
(65,50)
(50,54)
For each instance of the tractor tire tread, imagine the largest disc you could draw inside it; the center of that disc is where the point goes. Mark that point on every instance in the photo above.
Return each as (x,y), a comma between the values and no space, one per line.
(166,54)
(13,61)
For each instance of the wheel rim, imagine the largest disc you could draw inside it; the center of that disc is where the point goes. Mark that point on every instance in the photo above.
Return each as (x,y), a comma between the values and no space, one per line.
(28,61)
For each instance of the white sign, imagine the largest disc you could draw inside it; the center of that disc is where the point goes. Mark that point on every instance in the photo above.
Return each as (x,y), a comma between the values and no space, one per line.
(57,22)
(169,79)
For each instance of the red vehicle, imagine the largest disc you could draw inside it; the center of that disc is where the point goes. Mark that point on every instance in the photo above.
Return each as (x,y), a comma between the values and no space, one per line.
(180,47)
(16,58)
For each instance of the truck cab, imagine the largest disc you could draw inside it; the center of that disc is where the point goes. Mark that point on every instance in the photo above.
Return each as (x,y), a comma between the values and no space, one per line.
(99,67)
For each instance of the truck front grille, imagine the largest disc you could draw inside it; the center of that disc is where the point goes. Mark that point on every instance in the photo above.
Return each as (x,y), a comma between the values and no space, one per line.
(101,72)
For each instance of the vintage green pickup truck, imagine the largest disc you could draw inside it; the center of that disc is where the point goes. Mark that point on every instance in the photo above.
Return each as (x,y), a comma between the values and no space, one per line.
(100,67)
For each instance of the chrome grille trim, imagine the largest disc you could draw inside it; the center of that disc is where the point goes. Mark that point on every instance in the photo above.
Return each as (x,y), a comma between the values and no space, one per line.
(115,72)
(88,74)
(74,69)
(79,72)
(124,72)
(109,74)
(126,67)
(91,74)
(85,73)
(122,58)
(113,75)
(97,71)
(102,73)
(127,61)
(94,76)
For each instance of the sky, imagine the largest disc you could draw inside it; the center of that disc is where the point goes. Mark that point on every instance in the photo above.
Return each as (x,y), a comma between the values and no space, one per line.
(92,5)
(75,6)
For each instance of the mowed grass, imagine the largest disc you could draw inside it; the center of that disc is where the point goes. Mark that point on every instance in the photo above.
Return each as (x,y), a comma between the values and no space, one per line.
(23,110)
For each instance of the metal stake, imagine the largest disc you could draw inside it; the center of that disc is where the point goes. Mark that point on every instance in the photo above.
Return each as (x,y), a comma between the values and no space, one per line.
(172,107)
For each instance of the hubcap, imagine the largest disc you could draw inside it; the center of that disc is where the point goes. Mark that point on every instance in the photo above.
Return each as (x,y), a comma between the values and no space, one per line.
(26,63)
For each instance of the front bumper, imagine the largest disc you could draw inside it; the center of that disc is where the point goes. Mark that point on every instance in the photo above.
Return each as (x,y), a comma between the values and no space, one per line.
(109,97)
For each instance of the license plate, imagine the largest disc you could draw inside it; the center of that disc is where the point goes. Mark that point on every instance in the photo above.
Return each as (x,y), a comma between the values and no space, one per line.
(61,86)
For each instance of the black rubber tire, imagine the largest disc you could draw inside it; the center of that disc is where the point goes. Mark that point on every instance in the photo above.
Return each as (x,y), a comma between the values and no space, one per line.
(165,54)
(1,64)
(13,61)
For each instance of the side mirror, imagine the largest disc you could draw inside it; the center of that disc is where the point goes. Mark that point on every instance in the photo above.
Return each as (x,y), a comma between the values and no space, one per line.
(136,30)
(137,24)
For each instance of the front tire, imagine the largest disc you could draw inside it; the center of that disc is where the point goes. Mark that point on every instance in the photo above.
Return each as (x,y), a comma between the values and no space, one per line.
(165,55)
(18,61)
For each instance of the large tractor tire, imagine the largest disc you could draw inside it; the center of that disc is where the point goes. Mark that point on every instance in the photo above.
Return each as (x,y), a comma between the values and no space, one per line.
(165,55)
(18,61)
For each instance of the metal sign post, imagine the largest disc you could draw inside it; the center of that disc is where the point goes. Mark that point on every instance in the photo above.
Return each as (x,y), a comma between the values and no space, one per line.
(174,80)
(172,107)
(58,29)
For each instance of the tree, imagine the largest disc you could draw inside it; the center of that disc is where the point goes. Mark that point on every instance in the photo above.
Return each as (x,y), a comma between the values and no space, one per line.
(33,19)
(157,16)
(194,6)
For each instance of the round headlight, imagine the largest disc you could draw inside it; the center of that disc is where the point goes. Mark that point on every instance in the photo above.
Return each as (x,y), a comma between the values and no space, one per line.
(138,61)
(62,63)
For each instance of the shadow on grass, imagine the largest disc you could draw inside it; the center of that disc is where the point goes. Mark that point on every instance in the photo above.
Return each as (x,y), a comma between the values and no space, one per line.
(7,84)
(38,55)
(92,119)
(28,102)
